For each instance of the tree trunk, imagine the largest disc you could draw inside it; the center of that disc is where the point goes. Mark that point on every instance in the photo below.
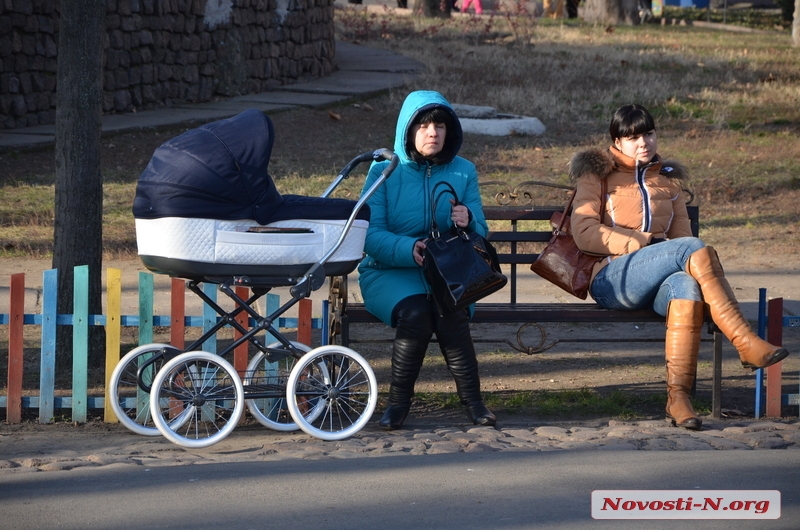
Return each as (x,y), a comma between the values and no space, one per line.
(434,8)
(77,238)
(796,25)
(611,12)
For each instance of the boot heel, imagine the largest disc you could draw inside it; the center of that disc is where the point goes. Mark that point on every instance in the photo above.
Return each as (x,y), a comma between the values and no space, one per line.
(394,416)
(693,424)
(481,415)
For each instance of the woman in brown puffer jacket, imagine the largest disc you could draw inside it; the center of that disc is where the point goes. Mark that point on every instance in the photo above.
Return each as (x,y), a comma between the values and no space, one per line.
(650,258)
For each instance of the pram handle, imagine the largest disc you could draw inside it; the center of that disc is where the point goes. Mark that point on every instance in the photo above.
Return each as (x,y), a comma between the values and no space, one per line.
(370,156)
(315,277)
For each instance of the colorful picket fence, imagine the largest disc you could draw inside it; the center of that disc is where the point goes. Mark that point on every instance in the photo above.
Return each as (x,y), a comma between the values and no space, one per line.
(79,401)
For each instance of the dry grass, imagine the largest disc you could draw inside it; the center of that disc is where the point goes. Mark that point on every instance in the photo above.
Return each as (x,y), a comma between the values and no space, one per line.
(727,104)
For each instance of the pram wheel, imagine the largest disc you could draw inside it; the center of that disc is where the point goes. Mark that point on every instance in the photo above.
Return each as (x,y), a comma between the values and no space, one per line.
(197,399)
(332,392)
(130,402)
(265,376)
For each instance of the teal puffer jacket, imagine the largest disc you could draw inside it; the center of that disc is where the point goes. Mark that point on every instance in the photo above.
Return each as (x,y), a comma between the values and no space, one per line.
(400,212)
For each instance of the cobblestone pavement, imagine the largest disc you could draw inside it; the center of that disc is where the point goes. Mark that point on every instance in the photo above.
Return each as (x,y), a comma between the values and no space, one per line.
(68,447)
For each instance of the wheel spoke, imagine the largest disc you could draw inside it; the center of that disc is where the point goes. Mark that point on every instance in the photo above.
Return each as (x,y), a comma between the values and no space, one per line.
(266,378)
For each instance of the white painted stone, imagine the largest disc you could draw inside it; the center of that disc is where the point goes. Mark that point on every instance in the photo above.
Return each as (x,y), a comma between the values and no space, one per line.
(474,111)
(503,125)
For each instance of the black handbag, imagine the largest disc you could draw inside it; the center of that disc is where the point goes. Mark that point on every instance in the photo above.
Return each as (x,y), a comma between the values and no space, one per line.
(460,265)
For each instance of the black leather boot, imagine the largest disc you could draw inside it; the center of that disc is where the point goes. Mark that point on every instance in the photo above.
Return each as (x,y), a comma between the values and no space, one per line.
(455,341)
(414,332)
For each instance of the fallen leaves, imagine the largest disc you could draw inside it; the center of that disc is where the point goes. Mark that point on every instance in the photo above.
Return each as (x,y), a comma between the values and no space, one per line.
(338,116)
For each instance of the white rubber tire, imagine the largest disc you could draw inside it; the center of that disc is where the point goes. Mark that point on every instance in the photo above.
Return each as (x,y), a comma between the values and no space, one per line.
(332,392)
(197,399)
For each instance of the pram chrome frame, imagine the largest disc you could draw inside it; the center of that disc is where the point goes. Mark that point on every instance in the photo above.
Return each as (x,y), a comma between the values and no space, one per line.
(196,398)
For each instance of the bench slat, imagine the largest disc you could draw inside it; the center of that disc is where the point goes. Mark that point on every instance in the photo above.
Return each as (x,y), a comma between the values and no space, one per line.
(506,213)
(499,312)
(519,237)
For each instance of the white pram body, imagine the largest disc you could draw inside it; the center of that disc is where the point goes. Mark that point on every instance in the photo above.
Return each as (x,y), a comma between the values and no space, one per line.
(206,207)
(202,247)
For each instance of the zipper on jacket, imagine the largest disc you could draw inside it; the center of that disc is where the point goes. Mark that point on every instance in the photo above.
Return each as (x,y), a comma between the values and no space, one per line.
(427,190)
(646,214)
(427,203)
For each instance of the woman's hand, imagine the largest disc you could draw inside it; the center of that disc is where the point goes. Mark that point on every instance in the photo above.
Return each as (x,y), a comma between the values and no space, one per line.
(419,246)
(459,215)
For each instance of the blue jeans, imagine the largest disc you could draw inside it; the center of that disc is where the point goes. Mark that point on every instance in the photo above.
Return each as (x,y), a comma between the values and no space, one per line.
(649,277)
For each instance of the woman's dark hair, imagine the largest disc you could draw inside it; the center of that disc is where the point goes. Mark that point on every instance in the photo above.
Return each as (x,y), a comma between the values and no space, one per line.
(630,120)
(434,115)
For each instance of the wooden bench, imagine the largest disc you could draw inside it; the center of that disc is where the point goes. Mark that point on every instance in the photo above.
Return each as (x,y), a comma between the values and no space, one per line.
(515,246)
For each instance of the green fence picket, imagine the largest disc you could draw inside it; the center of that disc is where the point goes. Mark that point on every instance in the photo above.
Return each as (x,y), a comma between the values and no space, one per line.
(210,317)
(273,303)
(145,308)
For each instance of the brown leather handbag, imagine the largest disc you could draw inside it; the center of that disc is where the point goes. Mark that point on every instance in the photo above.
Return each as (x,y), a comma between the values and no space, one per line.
(561,262)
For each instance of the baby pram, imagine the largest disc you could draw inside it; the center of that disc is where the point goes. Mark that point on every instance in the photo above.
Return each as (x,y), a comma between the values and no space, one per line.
(207,211)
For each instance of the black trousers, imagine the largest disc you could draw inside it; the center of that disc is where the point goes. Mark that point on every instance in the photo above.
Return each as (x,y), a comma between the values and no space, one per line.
(417,322)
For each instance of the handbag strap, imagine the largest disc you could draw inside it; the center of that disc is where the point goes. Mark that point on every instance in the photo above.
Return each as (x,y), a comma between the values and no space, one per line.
(603,193)
(435,201)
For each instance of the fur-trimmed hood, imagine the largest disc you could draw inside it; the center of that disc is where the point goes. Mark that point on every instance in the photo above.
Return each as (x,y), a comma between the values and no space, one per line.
(603,162)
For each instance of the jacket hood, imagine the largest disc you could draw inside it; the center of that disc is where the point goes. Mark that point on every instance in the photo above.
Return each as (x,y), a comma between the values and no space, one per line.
(601,163)
(416,103)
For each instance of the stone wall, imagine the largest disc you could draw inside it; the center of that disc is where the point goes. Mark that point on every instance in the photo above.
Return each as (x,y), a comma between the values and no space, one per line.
(163,52)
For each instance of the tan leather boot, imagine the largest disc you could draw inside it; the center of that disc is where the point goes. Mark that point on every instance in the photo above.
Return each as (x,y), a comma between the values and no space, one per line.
(682,345)
(704,266)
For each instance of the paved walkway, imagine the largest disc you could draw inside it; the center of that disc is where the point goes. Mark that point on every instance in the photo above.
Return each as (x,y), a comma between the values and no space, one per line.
(60,448)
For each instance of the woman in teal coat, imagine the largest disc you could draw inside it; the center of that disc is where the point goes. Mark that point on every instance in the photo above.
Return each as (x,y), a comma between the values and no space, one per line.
(427,140)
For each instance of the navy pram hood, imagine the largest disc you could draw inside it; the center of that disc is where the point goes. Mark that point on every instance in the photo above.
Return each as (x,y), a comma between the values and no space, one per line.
(219,171)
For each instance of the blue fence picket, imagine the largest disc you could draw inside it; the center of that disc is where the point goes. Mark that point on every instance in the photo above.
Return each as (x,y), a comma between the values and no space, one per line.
(80,343)
(47,381)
